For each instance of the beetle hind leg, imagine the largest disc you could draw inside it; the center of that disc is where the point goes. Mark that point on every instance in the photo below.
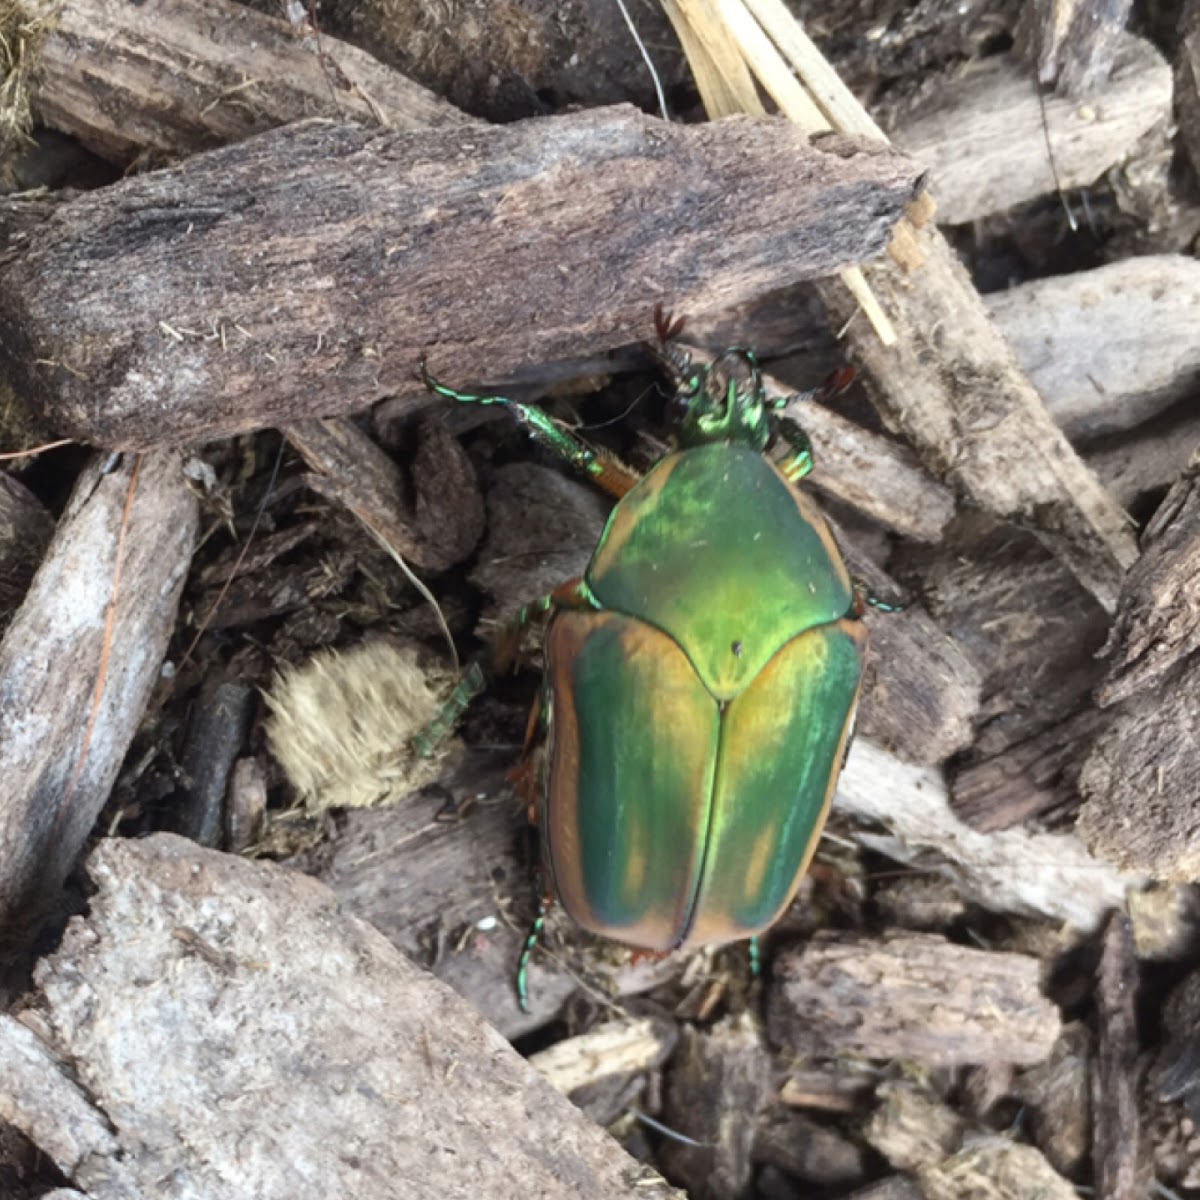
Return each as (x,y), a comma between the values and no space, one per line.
(531,944)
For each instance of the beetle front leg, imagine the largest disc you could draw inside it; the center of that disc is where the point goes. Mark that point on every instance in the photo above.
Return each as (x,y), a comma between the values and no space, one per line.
(603,469)
(799,462)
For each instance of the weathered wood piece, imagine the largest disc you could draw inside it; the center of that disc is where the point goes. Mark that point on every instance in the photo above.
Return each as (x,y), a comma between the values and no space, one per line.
(1141,779)
(1015,871)
(1003,599)
(542,529)
(1027,778)
(920,692)
(982,138)
(720,1080)
(1187,80)
(306,272)
(912,1127)
(1147,459)
(170,79)
(443,877)
(199,979)
(953,387)
(1073,43)
(846,993)
(436,528)
(614,1048)
(77,666)
(1116,1155)
(25,531)
(873,475)
(807,1151)
(217,729)
(1058,1093)
(1158,620)
(1110,348)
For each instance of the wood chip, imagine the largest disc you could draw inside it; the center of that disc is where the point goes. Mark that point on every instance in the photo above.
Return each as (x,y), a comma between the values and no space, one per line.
(912,996)
(129,80)
(981,133)
(78,663)
(1120,1174)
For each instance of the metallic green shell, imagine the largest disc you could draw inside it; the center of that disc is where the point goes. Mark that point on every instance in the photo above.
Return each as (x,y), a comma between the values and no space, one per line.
(672,821)
(698,720)
(716,549)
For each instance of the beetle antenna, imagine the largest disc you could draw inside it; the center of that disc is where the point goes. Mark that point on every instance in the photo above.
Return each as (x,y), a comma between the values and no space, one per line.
(674,360)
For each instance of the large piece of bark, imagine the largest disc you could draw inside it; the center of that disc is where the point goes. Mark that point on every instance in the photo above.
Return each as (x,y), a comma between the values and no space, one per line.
(77,666)
(173,79)
(1108,349)
(216,1027)
(307,271)
(913,996)
(982,135)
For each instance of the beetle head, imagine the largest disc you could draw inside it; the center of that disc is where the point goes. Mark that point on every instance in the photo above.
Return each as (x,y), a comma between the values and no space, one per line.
(721,402)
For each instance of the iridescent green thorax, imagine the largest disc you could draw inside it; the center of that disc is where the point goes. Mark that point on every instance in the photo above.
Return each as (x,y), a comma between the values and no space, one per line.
(715,548)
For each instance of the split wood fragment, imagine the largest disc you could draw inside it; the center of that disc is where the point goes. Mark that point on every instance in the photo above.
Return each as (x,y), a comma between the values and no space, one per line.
(612,1048)
(950,384)
(1158,622)
(720,1081)
(438,530)
(200,979)
(1120,1173)
(77,666)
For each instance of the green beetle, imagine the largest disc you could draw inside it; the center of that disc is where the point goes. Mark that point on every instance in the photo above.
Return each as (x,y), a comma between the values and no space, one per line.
(701,676)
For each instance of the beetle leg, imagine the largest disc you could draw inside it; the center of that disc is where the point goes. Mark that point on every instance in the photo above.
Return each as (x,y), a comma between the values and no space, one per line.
(496,659)
(865,598)
(755,957)
(603,469)
(799,461)
(531,942)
